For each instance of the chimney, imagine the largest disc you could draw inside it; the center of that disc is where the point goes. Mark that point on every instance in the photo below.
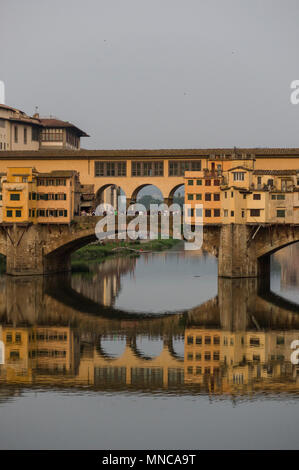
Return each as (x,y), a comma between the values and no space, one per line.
(36,114)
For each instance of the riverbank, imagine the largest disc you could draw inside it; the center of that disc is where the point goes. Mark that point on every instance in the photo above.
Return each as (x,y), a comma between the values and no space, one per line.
(97,252)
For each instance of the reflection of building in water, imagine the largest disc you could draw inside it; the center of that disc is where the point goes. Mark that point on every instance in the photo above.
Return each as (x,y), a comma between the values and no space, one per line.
(215,360)
(54,349)
(232,343)
(130,368)
(2,348)
(39,350)
(104,283)
(16,365)
(202,354)
(238,358)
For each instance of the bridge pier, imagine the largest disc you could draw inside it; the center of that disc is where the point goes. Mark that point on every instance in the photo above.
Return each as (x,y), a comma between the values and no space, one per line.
(25,248)
(237,253)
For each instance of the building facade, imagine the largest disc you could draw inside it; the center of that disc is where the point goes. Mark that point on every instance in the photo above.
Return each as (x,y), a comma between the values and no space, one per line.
(18,131)
(29,196)
(235,191)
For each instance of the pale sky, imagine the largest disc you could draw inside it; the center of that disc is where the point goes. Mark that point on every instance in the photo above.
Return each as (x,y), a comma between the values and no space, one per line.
(156,73)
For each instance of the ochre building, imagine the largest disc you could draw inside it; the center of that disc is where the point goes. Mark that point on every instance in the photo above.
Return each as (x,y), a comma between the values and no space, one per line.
(29,196)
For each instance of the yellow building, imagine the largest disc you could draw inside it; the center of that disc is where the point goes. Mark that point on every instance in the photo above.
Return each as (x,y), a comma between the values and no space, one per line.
(29,196)
(58,196)
(260,196)
(232,190)
(205,187)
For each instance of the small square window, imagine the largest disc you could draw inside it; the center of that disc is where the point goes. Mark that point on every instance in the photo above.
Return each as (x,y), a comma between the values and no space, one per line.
(280,213)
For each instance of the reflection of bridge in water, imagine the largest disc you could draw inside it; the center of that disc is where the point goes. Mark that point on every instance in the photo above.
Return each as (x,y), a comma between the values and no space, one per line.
(237,342)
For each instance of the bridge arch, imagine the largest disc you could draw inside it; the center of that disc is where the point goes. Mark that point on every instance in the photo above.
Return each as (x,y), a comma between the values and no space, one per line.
(174,190)
(139,351)
(177,348)
(106,349)
(115,192)
(136,191)
(275,240)
(70,242)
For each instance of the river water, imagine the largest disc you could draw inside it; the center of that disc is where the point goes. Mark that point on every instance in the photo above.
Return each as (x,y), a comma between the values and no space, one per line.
(150,352)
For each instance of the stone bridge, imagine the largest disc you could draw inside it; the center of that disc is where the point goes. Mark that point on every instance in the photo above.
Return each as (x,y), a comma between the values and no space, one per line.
(242,250)
(32,249)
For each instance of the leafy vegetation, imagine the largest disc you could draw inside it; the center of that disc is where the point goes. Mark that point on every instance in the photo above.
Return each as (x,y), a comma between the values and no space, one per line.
(98,252)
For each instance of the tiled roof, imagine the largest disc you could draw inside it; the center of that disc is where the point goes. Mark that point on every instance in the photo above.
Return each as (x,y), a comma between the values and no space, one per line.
(57,173)
(153,153)
(240,168)
(57,123)
(275,172)
(4,106)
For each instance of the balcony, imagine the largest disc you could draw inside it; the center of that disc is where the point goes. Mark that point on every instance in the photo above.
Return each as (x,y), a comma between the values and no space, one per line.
(217,174)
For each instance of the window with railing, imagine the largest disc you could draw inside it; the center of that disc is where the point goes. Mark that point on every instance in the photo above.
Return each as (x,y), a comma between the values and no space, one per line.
(52,135)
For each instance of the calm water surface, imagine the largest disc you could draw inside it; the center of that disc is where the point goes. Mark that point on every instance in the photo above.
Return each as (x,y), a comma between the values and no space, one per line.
(150,352)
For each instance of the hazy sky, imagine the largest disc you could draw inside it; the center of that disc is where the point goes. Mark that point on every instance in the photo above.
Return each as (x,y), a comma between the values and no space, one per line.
(156,73)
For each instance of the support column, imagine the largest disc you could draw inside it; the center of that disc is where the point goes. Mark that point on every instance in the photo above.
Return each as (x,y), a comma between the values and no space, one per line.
(24,250)
(237,253)
(25,247)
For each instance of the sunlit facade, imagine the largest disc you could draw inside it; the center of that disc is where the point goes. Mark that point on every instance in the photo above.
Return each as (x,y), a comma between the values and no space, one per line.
(29,196)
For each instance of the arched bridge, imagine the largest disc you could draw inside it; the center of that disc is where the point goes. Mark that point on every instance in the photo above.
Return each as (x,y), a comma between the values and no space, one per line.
(242,250)
(32,249)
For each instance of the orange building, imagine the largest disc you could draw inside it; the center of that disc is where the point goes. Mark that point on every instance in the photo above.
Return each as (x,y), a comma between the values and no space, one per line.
(203,187)
(29,196)
(232,190)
